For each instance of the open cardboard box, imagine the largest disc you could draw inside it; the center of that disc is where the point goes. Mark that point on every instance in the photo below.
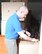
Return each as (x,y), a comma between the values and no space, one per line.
(28,47)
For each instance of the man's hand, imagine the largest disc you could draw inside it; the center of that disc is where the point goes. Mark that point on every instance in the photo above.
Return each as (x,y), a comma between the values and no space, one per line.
(27,33)
(34,40)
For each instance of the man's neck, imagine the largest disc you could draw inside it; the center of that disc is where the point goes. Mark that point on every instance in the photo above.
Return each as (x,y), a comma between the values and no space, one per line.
(18,13)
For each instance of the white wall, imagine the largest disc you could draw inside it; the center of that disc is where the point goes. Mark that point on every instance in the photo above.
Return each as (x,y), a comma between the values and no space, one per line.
(40,45)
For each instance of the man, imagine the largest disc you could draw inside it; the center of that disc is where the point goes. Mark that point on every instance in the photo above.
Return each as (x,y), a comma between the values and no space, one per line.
(13,28)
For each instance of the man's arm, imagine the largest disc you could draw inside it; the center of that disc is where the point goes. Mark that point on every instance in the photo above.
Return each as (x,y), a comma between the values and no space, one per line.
(24,36)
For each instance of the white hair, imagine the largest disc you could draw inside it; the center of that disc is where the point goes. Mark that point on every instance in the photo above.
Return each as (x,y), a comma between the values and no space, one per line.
(22,8)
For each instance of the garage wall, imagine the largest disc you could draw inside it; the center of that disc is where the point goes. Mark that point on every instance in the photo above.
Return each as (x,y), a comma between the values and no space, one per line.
(36,8)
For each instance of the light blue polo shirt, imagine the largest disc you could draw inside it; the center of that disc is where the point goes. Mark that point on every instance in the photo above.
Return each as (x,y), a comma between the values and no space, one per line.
(12,27)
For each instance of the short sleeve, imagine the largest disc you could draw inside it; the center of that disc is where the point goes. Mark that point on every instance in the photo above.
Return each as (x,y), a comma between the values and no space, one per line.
(16,24)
